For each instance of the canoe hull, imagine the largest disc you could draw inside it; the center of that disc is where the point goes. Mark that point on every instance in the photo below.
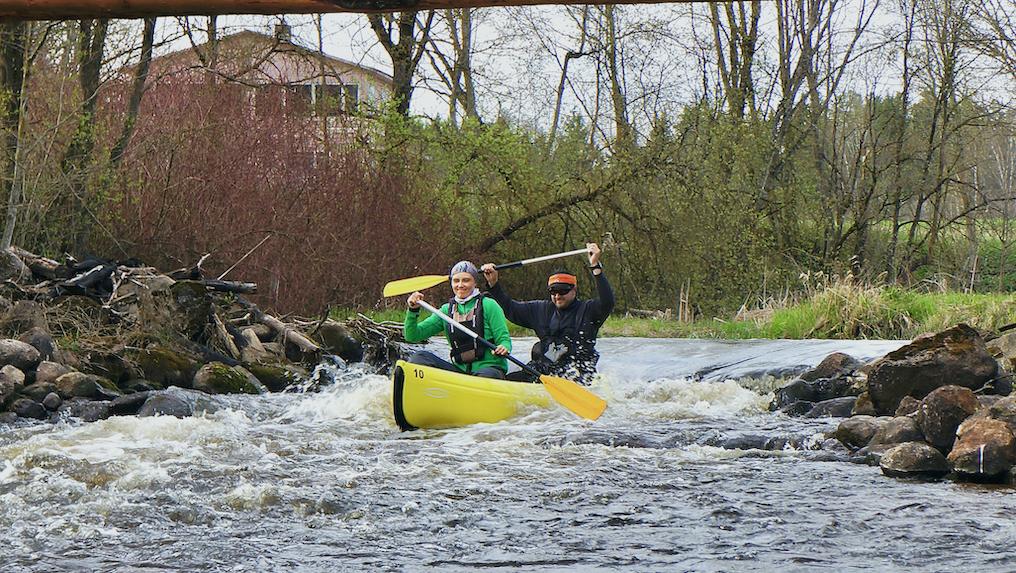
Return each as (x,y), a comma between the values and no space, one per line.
(425,397)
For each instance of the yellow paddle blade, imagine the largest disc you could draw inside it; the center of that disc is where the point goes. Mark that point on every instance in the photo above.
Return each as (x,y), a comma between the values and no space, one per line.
(574,397)
(413,284)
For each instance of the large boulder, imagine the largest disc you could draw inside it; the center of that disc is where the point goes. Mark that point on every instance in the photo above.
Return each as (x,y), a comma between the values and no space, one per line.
(166,367)
(193,306)
(218,378)
(819,390)
(954,356)
(19,354)
(942,411)
(914,460)
(985,449)
(834,408)
(897,431)
(48,372)
(81,385)
(85,410)
(28,408)
(276,377)
(178,402)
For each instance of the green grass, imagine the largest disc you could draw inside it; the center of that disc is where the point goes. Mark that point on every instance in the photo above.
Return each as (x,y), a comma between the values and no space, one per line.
(842,310)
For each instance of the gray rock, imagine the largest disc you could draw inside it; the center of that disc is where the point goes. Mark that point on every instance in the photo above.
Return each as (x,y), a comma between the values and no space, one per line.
(178,402)
(908,405)
(81,385)
(857,431)
(832,366)
(217,378)
(86,410)
(897,431)
(914,460)
(798,408)
(26,408)
(40,339)
(130,404)
(52,401)
(834,408)
(37,391)
(21,355)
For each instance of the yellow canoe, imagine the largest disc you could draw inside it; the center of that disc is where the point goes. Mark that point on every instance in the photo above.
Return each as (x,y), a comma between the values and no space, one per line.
(425,397)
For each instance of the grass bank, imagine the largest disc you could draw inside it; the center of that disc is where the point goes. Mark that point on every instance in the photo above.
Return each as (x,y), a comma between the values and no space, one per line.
(841,311)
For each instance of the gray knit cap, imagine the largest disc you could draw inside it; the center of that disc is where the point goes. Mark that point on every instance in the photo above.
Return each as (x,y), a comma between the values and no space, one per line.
(465,267)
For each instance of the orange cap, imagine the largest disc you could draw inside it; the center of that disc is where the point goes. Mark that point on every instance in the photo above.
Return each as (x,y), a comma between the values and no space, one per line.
(562,278)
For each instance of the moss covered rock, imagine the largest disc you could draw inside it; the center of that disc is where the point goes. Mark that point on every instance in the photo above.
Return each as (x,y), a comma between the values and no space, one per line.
(166,367)
(217,378)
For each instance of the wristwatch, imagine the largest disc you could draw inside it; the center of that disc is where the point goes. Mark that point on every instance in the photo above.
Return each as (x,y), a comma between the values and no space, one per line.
(596,266)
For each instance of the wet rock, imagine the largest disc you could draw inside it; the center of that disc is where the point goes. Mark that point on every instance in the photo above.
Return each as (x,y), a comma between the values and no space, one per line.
(37,391)
(52,401)
(169,402)
(914,460)
(942,411)
(167,367)
(48,372)
(8,418)
(217,378)
(871,454)
(908,405)
(835,365)
(18,354)
(1003,349)
(128,405)
(335,339)
(27,408)
(984,449)
(12,381)
(798,408)
(834,408)
(86,410)
(954,356)
(897,431)
(40,339)
(81,385)
(857,431)
(140,385)
(277,377)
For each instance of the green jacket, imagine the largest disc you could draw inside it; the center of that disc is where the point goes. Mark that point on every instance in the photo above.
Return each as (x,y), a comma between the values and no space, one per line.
(495,329)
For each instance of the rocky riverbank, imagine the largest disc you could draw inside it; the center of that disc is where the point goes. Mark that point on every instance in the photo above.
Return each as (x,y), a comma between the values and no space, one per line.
(940,406)
(96,338)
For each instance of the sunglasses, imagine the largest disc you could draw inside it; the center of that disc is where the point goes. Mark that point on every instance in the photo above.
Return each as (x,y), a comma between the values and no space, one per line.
(560,289)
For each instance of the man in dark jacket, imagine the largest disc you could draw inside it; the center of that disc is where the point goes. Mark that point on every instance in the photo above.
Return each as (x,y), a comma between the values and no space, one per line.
(566,325)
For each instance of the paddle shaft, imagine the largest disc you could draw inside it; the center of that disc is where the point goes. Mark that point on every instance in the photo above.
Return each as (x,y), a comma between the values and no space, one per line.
(479,338)
(539,259)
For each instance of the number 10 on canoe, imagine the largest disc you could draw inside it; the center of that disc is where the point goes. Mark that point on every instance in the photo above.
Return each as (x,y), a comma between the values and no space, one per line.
(413,284)
(566,392)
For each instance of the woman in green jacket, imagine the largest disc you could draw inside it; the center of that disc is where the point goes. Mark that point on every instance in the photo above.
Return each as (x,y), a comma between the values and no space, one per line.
(476,312)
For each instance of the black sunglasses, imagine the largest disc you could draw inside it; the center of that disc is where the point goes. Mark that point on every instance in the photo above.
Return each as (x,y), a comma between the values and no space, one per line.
(560,289)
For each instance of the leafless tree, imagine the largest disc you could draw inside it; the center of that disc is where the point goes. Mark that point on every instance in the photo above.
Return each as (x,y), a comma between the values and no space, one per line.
(405,37)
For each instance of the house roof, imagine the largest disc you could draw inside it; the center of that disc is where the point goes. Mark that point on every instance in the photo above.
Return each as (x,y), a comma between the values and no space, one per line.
(282,44)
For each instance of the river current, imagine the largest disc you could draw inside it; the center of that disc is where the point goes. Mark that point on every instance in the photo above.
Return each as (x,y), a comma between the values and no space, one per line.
(325,481)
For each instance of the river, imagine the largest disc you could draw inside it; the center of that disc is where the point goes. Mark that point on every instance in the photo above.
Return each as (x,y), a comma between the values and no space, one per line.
(324,481)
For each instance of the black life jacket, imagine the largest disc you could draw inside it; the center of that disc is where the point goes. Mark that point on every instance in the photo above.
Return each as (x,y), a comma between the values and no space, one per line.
(465,348)
(567,342)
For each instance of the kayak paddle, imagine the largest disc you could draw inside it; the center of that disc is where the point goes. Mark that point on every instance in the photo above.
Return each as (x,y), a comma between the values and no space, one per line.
(567,393)
(413,284)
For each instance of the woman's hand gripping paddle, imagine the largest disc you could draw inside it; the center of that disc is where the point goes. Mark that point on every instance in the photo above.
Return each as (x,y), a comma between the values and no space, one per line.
(565,392)
(413,284)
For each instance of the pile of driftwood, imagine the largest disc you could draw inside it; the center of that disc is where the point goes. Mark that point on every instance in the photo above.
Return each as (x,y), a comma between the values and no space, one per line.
(114,335)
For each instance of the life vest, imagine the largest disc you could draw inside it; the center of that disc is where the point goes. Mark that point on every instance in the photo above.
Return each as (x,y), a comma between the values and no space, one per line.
(567,343)
(465,348)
